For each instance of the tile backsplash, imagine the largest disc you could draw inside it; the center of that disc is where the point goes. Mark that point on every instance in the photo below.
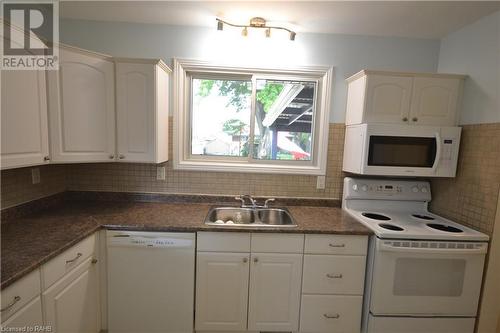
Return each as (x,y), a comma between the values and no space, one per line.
(129,177)
(17,186)
(471,197)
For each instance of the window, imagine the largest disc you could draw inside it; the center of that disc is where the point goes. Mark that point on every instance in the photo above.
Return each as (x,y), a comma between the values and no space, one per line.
(249,119)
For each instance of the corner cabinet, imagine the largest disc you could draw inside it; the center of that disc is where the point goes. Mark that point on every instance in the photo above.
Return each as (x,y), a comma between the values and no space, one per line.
(82,107)
(25,138)
(403,98)
(142,110)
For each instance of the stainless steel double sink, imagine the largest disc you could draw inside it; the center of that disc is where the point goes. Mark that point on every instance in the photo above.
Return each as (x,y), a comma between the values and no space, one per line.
(250,217)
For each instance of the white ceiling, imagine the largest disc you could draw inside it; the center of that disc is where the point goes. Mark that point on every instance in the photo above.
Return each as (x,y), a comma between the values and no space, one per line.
(421,19)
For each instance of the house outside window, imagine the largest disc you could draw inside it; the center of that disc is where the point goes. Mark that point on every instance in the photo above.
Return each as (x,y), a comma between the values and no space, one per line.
(251,119)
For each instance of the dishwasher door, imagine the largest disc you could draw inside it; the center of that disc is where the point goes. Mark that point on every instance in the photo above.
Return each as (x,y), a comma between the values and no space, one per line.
(150,281)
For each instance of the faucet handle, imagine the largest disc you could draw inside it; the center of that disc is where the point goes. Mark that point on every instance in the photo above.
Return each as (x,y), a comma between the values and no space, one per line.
(240,198)
(266,203)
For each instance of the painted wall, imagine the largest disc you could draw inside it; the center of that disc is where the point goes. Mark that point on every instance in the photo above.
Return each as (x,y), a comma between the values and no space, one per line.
(475,50)
(346,53)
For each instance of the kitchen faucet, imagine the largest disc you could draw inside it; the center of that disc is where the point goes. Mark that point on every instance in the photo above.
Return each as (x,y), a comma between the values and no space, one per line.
(252,201)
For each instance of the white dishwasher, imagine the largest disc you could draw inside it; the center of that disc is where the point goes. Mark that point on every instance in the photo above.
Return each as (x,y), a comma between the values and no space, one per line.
(150,281)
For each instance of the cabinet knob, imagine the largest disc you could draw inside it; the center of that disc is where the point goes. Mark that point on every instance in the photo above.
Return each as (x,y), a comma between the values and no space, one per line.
(121,156)
(414,119)
(111,157)
(94,261)
(405,119)
(255,259)
(245,259)
(334,276)
(46,158)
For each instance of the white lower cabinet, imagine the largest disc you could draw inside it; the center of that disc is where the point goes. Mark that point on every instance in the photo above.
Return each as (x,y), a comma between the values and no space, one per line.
(72,303)
(331,313)
(274,295)
(221,291)
(29,315)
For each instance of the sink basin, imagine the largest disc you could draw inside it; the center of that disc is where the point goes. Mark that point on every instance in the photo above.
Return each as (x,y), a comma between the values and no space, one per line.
(249,217)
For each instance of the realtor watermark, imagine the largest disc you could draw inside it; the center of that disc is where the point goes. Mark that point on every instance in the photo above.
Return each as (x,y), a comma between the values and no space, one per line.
(35,328)
(30,35)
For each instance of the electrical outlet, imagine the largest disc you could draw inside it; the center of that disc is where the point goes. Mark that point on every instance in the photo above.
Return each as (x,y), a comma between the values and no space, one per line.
(35,175)
(320,182)
(160,173)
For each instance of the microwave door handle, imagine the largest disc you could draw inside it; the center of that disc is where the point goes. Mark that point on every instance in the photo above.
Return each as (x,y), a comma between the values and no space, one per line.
(438,152)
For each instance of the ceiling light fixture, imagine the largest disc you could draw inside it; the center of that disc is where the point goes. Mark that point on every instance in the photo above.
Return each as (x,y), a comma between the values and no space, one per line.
(255,22)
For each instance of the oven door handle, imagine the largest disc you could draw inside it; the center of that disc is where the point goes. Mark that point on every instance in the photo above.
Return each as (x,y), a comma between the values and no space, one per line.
(416,250)
(438,152)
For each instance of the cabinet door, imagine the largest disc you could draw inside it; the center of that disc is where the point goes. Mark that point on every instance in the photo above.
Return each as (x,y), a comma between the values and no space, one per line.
(135,84)
(274,299)
(29,315)
(72,303)
(81,108)
(434,101)
(388,99)
(221,291)
(24,119)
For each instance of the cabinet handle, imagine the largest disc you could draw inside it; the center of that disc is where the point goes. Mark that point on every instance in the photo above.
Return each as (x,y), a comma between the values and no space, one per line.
(255,259)
(405,119)
(94,261)
(121,156)
(414,119)
(11,304)
(245,259)
(335,316)
(111,157)
(46,158)
(334,276)
(336,245)
(78,255)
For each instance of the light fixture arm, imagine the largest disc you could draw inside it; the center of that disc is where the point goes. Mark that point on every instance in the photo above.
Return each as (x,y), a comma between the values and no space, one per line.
(256,26)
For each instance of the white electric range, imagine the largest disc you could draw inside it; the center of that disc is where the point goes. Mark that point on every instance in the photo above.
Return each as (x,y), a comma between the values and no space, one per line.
(424,272)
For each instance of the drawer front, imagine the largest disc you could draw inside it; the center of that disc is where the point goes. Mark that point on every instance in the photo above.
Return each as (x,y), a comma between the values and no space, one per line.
(324,274)
(277,243)
(66,261)
(223,242)
(332,314)
(20,293)
(336,244)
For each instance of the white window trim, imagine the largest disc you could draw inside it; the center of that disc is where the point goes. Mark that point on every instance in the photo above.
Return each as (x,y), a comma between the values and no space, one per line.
(182,160)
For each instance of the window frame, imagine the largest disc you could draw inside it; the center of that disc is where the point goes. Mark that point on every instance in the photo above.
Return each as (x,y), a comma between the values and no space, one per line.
(185,70)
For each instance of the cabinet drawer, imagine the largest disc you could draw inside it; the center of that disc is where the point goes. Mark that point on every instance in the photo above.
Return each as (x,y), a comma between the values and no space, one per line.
(332,314)
(324,274)
(20,293)
(277,243)
(66,261)
(223,241)
(336,244)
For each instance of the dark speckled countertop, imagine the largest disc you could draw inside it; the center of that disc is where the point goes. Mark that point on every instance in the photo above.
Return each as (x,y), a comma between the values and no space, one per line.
(31,240)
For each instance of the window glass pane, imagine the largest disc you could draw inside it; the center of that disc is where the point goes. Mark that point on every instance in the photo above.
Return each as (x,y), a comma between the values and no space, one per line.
(284,118)
(220,118)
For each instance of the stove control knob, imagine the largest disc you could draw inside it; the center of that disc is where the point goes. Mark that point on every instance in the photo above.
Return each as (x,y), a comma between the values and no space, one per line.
(424,190)
(414,189)
(364,188)
(355,187)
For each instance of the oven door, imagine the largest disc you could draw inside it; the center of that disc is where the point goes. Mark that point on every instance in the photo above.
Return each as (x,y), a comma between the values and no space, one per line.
(418,278)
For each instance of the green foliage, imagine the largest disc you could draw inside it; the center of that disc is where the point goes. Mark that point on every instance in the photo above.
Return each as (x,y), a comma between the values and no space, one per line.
(233,127)
(269,94)
(239,91)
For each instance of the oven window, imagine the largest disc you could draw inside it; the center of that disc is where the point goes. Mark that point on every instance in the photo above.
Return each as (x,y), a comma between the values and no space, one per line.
(402,151)
(429,277)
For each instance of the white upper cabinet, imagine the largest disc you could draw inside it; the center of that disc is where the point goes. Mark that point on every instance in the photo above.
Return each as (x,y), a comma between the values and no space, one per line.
(24,119)
(434,101)
(403,98)
(82,107)
(142,110)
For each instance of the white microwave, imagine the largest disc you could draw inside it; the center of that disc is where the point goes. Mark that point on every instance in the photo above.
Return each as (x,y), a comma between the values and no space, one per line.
(401,150)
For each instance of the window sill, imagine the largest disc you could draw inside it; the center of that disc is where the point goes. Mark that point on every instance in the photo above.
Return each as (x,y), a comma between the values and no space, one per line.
(254,168)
